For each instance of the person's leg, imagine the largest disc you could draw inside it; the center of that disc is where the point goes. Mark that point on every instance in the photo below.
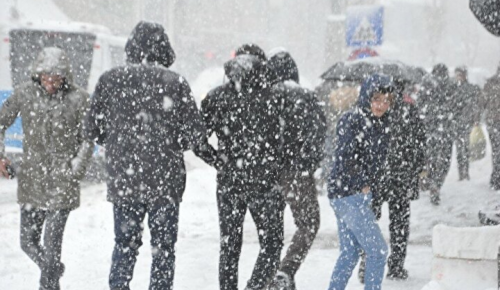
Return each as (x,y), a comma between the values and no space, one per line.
(55,223)
(440,165)
(494,133)
(462,142)
(128,239)
(232,209)
(267,212)
(303,200)
(163,224)
(399,227)
(357,216)
(32,220)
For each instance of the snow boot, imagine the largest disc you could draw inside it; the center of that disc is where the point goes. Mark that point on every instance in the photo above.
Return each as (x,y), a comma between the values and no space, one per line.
(362,269)
(397,274)
(282,281)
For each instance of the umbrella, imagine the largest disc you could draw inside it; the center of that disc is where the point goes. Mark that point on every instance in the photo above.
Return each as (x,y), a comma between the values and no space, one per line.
(359,70)
(488,13)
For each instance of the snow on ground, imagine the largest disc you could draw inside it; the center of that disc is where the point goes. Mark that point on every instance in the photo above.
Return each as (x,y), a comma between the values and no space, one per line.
(89,236)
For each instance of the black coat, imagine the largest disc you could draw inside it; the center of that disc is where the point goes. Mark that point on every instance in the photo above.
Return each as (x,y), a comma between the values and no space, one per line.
(487,12)
(303,117)
(406,154)
(145,116)
(245,116)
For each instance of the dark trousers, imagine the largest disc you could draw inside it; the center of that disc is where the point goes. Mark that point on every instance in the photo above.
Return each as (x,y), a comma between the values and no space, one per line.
(439,160)
(399,225)
(300,194)
(163,226)
(462,141)
(494,132)
(47,256)
(265,203)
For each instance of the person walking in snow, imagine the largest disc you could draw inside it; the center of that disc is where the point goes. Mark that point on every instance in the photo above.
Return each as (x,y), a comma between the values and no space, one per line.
(55,157)
(399,184)
(145,116)
(361,148)
(245,116)
(466,112)
(436,105)
(303,147)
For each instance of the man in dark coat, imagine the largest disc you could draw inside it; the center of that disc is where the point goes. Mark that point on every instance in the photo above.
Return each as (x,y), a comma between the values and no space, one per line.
(399,184)
(435,100)
(145,116)
(466,114)
(245,115)
(303,142)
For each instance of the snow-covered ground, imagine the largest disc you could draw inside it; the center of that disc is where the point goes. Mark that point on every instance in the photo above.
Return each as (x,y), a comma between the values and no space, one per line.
(89,236)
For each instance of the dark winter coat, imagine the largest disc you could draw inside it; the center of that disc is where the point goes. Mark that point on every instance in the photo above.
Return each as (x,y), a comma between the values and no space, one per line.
(406,154)
(55,153)
(145,116)
(435,100)
(245,115)
(361,145)
(490,99)
(487,12)
(303,116)
(465,105)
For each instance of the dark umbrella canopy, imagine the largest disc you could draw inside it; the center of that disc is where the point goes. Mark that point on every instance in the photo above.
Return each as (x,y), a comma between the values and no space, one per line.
(488,13)
(358,70)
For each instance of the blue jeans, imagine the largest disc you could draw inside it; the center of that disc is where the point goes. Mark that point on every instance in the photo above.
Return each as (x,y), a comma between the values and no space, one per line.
(163,226)
(358,231)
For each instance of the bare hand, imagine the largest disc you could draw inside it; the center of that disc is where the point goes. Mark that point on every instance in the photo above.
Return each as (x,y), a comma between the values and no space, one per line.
(365,190)
(3,167)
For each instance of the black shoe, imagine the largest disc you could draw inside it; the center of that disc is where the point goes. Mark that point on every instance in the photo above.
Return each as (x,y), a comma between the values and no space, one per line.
(362,269)
(464,177)
(435,199)
(397,274)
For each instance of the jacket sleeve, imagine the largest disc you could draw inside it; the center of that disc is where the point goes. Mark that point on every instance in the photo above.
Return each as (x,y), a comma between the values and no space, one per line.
(8,114)
(419,140)
(207,152)
(84,155)
(97,117)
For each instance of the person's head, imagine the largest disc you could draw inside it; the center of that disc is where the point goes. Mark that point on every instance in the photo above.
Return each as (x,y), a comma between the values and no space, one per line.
(381,102)
(148,42)
(283,66)
(461,74)
(376,96)
(51,82)
(52,70)
(252,49)
(440,71)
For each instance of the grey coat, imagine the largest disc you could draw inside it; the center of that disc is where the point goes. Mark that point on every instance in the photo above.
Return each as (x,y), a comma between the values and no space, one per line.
(55,155)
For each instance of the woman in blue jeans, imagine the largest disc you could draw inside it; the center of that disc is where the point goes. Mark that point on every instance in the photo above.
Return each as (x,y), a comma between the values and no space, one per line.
(361,147)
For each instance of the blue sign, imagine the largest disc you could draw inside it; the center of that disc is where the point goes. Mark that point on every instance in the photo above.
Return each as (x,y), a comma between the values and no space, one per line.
(13,135)
(364,26)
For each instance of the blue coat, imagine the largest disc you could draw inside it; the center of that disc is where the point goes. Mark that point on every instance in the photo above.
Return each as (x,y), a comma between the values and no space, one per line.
(362,144)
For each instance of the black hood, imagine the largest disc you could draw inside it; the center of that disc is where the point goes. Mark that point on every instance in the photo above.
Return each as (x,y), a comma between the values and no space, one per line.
(249,67)
(284,67)
(440,71)
(149,42)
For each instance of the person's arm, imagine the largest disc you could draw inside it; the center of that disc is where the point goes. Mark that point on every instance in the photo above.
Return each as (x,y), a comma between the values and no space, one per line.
(8,113)
(194,133)
(82,159)
(97,117)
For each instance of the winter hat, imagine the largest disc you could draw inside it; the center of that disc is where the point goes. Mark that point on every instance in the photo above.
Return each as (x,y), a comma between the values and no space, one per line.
(283,66)
(440,70)
(252,49)
(52,61)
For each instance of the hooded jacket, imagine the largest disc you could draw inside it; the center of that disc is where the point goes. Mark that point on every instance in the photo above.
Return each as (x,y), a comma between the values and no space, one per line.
(145,116)
(303,117)
(490,99)
(55,153)
(362,143)
(245,116)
